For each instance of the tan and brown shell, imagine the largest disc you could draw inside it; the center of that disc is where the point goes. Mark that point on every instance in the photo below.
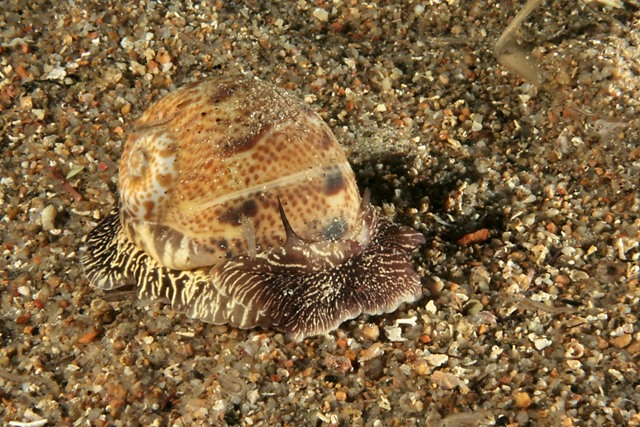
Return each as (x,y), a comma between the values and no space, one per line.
(238,205)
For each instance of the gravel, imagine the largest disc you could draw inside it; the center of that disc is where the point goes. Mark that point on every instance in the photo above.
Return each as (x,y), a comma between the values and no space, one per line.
(527,194)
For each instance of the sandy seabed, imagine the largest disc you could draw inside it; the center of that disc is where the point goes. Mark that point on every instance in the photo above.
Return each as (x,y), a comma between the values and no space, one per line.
(527,195)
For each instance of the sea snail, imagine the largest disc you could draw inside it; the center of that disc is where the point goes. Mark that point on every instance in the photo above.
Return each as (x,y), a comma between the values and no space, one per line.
(238,206)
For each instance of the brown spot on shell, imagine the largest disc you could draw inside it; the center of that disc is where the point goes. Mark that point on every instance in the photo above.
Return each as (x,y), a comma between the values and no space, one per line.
(234,215)
(164,180)
(223,93)
(183,103)
(244,143)
(333,181)
(325,140)
(148,206)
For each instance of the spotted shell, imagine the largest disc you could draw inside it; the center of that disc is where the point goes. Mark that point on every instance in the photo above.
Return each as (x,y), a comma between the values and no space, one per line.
(238,205)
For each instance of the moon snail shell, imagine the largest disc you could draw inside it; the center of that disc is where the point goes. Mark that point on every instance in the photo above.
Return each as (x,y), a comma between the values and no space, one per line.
(238,206)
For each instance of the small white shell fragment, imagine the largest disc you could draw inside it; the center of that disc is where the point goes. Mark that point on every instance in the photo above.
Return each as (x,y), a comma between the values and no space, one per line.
(39,113)
(137,68)
(436,360)
(36,423)
(24,291)
(321,14)
(525,98)
(75,170)
(394,333)
(48,217)
(539,343)
(618,4)
(578,275)
(384,403)
(574,350)
(350,62)
(329,418)
(495,352)
(431,307)
(627,328)
(479,277)
(58,73)
(574,364)
(126,43)
(616,373)
(253,395)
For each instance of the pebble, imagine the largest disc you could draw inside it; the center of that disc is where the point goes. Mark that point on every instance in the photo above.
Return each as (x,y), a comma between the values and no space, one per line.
(621,341)
(522,400)
(394,333)
(321,14)
(24,291)
(48,217)
(436,360)
(370,332)
(541,343)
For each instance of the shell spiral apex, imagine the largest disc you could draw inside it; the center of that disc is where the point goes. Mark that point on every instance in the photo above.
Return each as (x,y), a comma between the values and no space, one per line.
(238,205)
